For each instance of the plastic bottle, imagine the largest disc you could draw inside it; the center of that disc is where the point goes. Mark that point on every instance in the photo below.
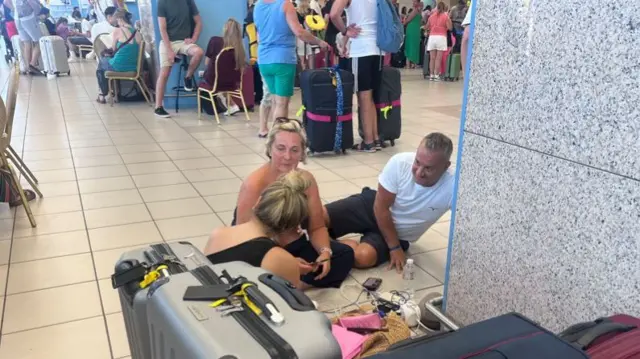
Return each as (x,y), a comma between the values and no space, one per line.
(407,276)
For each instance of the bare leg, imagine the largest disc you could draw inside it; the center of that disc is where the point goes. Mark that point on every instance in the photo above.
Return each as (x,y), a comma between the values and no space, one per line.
(464,48)
(265,113)
(196,54)
(26,51)
(365,255)
(438,62)
(35,54)
(432,62)
(368,110)
(161,83)
(281,107)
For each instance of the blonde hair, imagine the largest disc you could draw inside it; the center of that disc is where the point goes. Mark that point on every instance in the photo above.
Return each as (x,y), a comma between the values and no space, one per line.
(122,14)
(283,124)
(232,37)
(303,7)
(441,7)
(283,204)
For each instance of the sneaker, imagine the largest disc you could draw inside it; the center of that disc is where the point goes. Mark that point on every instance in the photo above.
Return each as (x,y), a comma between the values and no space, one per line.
(437,78)
(365,147)
(432,77)
(188,84)
(379,145)
(161,112)
(232,110)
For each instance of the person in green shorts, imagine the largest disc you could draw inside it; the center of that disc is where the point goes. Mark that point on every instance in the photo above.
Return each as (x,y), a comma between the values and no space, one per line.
(278,27)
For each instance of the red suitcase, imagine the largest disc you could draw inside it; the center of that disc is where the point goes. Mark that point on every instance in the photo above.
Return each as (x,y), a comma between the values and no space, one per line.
(615,337)
(248,89)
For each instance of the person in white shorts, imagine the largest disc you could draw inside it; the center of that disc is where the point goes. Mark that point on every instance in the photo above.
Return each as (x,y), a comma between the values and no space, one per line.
(437,25)
(27,12)
(464,47)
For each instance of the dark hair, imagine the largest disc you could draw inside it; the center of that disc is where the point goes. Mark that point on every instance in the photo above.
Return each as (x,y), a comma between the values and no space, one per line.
(44,11)
(110,10)
(62,20)
(428,8)
(403,10)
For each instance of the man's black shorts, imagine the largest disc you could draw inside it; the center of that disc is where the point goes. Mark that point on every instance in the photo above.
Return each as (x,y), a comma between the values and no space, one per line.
(354,214)
(369,72)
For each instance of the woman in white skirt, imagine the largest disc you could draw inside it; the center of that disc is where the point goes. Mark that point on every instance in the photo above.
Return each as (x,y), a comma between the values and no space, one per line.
(437,25)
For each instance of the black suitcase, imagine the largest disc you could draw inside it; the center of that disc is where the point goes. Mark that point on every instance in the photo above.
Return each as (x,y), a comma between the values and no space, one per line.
(326,131)
(388,106)
(510,336)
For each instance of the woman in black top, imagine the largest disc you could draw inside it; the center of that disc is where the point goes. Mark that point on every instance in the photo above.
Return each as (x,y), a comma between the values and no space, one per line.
(281,207)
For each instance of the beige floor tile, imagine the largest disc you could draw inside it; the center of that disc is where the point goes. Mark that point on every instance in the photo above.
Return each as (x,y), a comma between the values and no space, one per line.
(185,227)
(128,133)
(50,223)
(55,175)
(146,147)
(178,208)
(5,250)
(371,182)
(244,171)
(226,217)
(3,278)
(161,179)
(220,142)
(49,246)
(332,300)
(55,189)
(105,184)
(124,236)
(144,157)
(51,306)
(167,193)
(59,342)
(90,152)
(209,174)
(241,160)
(429,241)
(151,167)
(110,298)
(50,165)
(118,335)
(95,142)
(337,189)
(223,202)
(230,150)
(45,155)
(114,216)
(442,228)
(6,228)
(392,280)
(198,163)
(105,261)
(105,171)
(325,176)
(188,154)
(110,199)
(434,262)
(334,162)
(49,273)
(210,188)
(177,146)
(53,205)
(362,171)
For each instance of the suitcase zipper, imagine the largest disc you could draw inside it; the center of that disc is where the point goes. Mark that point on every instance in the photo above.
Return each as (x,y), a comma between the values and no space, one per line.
(168,257)
(276,347)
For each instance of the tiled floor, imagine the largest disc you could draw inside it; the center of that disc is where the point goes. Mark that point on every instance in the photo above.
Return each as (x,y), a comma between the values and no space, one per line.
(115,178)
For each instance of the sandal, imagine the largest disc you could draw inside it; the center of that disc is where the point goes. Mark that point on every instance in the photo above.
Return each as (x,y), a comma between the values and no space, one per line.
(101,99)
(365,147)
(27,193)
(263,135)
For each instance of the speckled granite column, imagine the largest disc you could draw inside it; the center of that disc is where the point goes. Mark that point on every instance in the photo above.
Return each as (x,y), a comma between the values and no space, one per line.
(548,211)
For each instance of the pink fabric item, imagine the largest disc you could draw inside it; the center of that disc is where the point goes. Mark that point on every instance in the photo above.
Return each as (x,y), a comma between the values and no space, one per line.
(438,23)
(350,342)
(445,55)
(365,321)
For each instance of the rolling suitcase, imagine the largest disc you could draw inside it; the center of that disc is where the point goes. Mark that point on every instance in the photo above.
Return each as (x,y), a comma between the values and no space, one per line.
(453,68)
(17,52)
(510,336)
(54,55)
(160,323)
(327,100)
(615,337)
(388,105)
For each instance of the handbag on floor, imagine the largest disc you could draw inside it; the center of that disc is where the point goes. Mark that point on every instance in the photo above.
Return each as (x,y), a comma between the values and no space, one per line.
(615,337)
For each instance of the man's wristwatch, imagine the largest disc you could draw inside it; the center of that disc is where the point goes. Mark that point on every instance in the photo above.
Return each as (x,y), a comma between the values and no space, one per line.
(395,248)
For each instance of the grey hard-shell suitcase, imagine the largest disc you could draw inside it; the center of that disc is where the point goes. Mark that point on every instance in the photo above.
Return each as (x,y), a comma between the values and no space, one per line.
(160,324)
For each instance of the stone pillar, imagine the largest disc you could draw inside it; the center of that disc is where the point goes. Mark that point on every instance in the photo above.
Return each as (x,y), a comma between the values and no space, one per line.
(547,218)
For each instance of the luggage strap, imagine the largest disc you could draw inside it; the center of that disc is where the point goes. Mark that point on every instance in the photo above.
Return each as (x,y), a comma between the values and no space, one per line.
(385,107)
(599,330)
(273,343)
(337,141)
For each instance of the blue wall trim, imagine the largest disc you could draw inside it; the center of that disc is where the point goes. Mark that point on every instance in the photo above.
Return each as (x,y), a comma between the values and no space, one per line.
(463,119)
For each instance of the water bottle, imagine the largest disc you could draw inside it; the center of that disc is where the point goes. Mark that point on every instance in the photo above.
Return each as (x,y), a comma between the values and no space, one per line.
(407,276)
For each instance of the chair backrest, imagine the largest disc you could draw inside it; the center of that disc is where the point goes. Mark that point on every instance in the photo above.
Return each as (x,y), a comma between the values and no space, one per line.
(141,54)
(226,52)
(12,99)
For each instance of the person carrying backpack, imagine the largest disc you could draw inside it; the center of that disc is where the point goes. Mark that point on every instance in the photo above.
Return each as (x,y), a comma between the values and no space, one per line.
(374,28)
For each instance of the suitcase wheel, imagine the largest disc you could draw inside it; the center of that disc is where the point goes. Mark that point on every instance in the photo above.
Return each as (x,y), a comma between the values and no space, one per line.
(393,143)
(344,151)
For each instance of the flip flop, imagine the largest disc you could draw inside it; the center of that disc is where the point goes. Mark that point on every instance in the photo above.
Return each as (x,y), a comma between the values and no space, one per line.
(18,202)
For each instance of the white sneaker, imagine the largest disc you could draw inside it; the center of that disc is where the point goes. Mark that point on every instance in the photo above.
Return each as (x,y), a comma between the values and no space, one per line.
(91,56)
(232,110)
(437,78)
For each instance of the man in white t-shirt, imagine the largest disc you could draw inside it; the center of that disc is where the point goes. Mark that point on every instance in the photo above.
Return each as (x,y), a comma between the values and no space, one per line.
(414,191)
(366,58)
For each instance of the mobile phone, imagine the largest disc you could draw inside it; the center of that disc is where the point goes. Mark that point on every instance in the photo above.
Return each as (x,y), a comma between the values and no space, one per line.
(372,284)
(205,293)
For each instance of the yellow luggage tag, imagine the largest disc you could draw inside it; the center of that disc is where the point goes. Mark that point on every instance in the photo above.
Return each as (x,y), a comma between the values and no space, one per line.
(385,111)
(152,276)
(300,111)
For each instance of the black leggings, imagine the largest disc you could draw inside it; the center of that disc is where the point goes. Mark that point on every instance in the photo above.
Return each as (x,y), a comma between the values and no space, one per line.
(103,66)
(342,260)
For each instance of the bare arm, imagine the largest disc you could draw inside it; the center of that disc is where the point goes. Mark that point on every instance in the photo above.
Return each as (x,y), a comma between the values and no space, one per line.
(336,15)
(198,29)
(164,35)
(247,198)
(296,28)
(116,36)
(382,210)
(449,23)
(413,14)
(317,229)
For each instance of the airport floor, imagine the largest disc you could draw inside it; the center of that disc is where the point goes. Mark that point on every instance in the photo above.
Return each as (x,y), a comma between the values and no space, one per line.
(117,178)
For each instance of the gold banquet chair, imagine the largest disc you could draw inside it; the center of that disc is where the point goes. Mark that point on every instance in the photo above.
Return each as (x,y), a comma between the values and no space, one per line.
(209,95)
(135,76)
